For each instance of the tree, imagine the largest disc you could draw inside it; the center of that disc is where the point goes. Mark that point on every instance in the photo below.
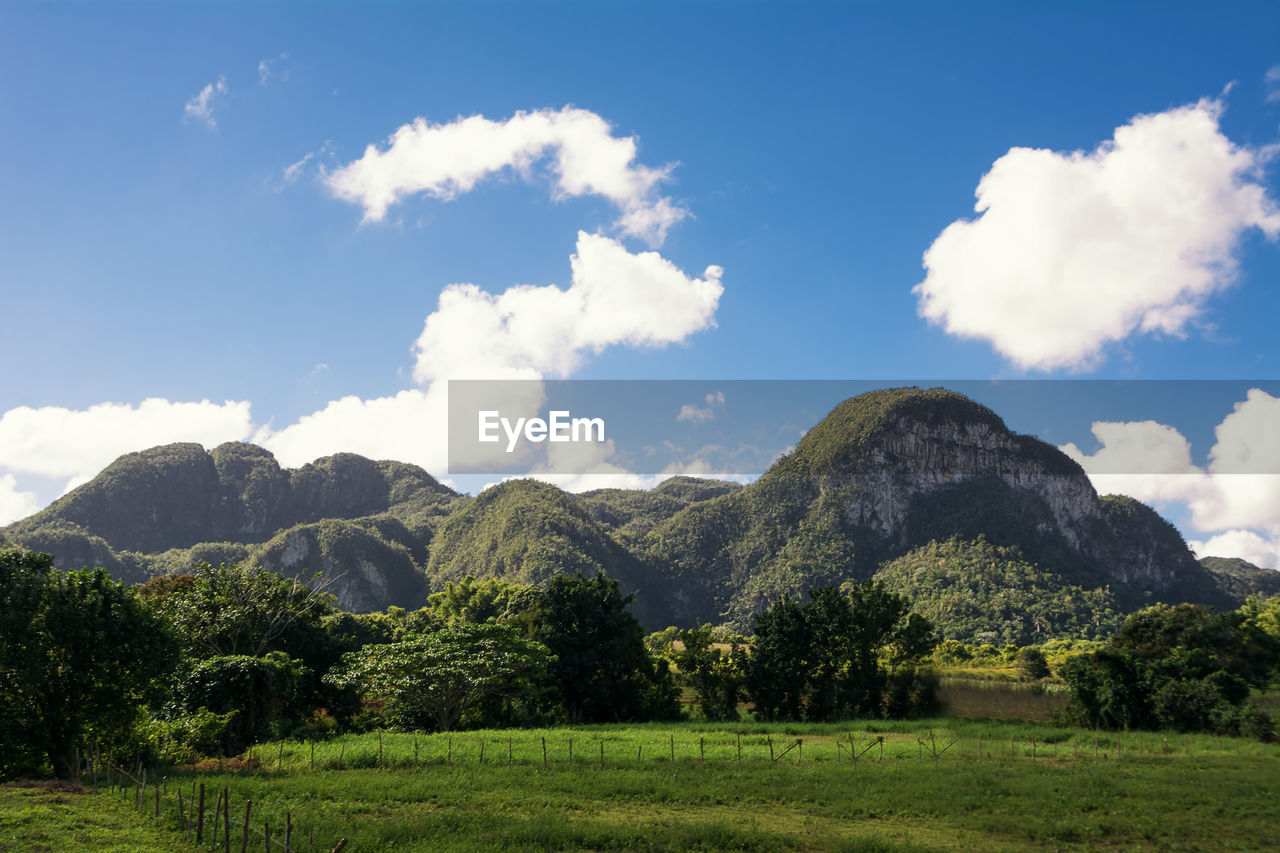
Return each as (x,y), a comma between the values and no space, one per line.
(233,613)
(1186,667)
(714,674)
(823,658)
(777,673)
(489,600)
(430,680)
(256,693)
(237,610)
(1032,663)
(1109,689)
(602,670)
(79,657)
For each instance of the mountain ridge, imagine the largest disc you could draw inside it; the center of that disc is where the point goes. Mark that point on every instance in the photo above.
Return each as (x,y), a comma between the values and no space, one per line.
(885,476)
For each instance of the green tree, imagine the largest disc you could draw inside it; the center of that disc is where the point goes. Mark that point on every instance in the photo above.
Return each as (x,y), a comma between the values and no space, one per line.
(715,674)
(1032,663)
(1186,667)
(489,600)
(602,670)
(256,693)
(430,680)
(823,659)
(237,610)
(777,673)
(79,657)
(232,612)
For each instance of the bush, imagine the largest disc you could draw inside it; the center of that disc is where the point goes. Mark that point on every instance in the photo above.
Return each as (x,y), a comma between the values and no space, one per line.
(1032,664)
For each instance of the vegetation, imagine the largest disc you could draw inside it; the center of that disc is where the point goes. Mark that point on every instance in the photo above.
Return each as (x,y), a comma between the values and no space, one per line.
(490,790)
(979,592)
(1186,668)
(79,658)
(432,679)
(996,537)
(822,660)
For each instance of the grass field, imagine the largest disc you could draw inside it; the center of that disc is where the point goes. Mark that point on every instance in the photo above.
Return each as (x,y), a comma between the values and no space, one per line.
(49,816)
(1153,793)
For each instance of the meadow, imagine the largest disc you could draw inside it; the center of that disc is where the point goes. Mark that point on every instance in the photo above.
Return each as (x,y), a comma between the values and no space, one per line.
(944,784)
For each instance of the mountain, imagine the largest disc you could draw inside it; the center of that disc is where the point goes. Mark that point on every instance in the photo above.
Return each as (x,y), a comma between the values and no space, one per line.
(890,471)
(178,495)
(364,525)
(529,531)
(1241,579)
(997,536)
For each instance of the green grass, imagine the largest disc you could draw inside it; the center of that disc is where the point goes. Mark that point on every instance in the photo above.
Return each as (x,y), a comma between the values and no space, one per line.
(49,816)
(1156,792)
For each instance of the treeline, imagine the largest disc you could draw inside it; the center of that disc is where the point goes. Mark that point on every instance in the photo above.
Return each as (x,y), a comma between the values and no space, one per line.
(1187,667)
(205,664)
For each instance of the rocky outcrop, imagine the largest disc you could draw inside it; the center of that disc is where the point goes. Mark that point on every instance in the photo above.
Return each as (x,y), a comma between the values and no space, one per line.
(891,471)
(350,560)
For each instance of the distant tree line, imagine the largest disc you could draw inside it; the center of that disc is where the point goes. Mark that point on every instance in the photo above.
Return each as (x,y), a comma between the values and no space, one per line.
(205,664)
(1186,667)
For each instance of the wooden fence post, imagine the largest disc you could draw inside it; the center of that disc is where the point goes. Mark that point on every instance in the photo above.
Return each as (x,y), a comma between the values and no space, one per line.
(544,750)
(702,750)
(740,745)
(200,817)
(226,820)
(244,838)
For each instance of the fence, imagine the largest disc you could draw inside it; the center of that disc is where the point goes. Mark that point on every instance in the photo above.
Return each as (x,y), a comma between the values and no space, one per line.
(151,796)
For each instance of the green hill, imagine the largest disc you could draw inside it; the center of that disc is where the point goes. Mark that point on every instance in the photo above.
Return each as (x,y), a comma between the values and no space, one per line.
(1241,579)
(991,532)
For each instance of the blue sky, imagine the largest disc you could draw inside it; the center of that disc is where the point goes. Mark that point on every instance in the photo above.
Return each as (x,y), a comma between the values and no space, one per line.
(154,252)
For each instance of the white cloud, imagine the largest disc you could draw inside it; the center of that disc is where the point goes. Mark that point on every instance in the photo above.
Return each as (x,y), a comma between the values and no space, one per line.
(1239,489)
(698,415)
(1244,544)
(527,331)
(267,69)
(1271,81)
(409,427)
(577,147)
(1072,252)
(58,442)
(15,504)
(201,105)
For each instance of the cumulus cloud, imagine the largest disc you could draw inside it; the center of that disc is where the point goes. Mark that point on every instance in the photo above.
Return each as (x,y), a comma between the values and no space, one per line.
(701,414)
(58,442)
(1244,544)
(1239,489)
(1075,251)
(14,503)
(576,147)
(408,427)
(201,105)
(527,332)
